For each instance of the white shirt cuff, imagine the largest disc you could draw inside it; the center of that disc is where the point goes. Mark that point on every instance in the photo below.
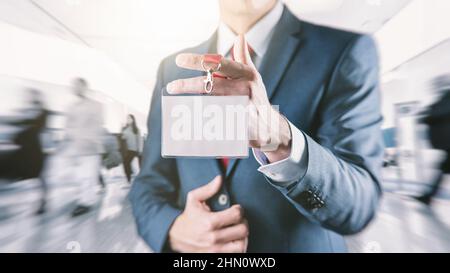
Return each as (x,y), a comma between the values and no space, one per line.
(290,169)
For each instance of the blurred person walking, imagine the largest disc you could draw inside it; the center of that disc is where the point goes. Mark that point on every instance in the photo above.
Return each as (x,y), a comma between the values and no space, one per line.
(131,143)
(112,156)
(85,145)
(29,161)
(437,117)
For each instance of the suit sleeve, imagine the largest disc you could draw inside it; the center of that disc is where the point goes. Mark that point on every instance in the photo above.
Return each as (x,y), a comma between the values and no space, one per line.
(340,189)
(153,195)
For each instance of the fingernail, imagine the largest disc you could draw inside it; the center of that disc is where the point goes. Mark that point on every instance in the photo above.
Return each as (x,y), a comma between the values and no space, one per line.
(170,87)
(179,60)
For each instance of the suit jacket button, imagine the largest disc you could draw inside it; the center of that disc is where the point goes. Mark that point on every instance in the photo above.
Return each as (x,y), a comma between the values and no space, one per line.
(319,204)
(223,199)
(322,204)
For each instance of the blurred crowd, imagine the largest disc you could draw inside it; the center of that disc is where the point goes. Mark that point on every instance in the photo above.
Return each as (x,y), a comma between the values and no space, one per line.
(434,119)
(86,146)
(437,118)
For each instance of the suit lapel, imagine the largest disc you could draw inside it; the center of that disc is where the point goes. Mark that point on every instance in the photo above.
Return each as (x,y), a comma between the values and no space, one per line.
(282,47)
(231,165)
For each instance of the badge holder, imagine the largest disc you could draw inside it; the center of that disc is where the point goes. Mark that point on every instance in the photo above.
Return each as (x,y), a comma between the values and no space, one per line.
(205,126)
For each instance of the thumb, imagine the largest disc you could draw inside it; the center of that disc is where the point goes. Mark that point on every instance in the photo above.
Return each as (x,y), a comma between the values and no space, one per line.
(207,191)
(241,52)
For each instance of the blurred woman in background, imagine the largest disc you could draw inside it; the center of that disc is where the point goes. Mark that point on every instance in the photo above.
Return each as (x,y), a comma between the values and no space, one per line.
(131,142)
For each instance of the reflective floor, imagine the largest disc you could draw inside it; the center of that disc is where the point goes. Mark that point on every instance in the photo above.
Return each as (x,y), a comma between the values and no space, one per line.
(402,224)
(405,225)
(108,228)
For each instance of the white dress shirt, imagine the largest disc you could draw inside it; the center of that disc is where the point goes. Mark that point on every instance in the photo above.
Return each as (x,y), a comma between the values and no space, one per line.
(258,37)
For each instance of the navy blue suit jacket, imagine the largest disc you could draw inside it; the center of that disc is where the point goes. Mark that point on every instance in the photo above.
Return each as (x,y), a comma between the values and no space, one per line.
(326,83)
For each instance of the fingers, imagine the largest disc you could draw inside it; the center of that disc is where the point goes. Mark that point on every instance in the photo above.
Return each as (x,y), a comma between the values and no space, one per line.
(224,218)
(232,233)
(205,192)
(229,68)
(242,69)
(232,239)
(241,51)
(239,246)
(187,86)
(222,87)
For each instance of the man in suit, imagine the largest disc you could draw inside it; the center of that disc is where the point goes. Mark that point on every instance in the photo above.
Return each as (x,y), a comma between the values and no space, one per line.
(322,180)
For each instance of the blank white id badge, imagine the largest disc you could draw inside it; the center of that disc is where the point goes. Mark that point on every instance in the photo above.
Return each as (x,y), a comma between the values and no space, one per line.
(204,126)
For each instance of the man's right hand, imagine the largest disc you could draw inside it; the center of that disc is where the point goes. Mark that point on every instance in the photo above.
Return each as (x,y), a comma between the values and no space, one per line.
(198,229)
